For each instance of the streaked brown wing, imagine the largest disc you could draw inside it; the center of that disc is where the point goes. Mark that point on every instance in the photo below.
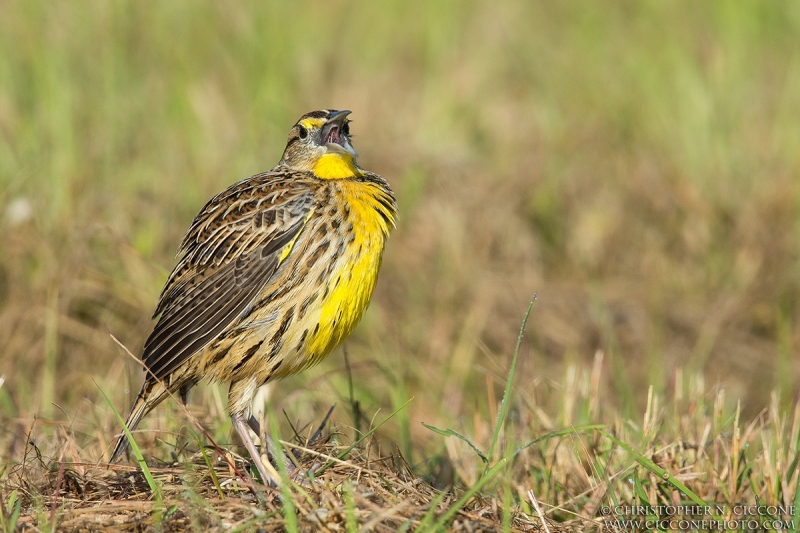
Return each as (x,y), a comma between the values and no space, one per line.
(231,251)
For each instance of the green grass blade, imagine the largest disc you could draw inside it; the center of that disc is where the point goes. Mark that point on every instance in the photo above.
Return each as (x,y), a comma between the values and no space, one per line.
(642,495)
(660,472)
(342,455)
(431,514)
(494,470)
(559,433)
(15,506)
(501,415)
(354,405)
(350,520)
(12,523)
(207,460)
(451,512)
(289,511)
(451,433)
(796,511)
(155,488)
(253,523)
(507,513)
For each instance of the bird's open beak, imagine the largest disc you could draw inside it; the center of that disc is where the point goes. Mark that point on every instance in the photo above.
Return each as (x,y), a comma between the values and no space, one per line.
(332,135)
(339,116)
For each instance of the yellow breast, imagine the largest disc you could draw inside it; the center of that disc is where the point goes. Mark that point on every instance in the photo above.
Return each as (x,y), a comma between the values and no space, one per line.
(351,284)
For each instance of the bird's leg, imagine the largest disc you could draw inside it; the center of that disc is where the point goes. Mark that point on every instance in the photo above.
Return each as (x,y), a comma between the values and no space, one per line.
(241,428)
(254,425)
(183,392)
(272,450)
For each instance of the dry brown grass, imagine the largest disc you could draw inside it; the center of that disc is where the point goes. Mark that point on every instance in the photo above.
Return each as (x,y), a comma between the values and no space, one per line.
(368,490)
(680,453)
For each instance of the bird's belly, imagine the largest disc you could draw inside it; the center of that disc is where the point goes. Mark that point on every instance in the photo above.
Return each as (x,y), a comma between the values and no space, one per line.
(340,308)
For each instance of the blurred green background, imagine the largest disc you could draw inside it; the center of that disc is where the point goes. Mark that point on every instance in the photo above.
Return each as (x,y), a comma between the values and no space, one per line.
(634,163)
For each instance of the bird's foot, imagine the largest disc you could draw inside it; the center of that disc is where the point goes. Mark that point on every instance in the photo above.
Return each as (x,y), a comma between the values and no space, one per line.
(273,455)
(298,475)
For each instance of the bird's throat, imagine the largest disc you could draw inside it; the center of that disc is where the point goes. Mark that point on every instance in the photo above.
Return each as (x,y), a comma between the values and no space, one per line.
(336,166)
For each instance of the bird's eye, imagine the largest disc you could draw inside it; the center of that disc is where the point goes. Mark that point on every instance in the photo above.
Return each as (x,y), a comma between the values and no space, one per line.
(303,132)
(346,128)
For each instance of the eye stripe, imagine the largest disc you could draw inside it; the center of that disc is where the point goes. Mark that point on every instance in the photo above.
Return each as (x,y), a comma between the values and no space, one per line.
(312,123)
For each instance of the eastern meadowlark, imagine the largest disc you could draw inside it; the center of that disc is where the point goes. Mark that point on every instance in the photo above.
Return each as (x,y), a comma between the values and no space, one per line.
(275,272)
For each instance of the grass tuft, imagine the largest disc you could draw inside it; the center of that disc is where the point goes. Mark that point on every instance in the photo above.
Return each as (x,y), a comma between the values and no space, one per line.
(155,488)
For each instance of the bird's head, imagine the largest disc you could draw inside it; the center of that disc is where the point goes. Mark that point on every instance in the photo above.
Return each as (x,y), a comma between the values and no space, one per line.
(320,142)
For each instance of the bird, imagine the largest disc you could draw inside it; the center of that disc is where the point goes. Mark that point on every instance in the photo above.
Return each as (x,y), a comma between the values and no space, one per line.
(273,274)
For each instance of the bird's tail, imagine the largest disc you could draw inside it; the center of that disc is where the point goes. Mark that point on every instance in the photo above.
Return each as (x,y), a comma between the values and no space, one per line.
(151,395)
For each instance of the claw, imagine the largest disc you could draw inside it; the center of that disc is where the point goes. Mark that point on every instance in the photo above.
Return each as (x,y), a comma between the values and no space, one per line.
(305,477)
